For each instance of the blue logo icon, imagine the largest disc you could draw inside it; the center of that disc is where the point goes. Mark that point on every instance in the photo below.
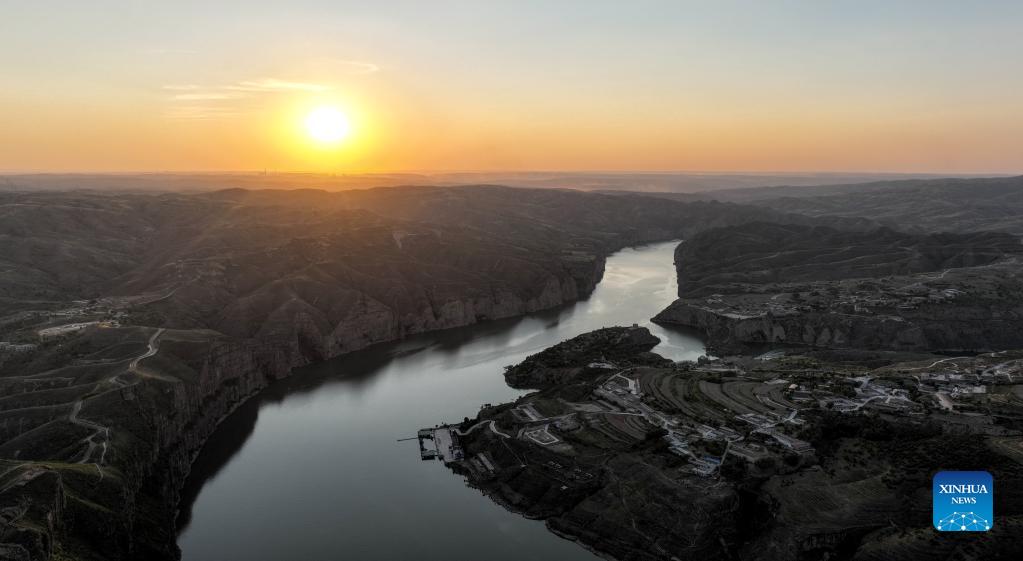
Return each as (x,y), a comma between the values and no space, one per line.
(963,501)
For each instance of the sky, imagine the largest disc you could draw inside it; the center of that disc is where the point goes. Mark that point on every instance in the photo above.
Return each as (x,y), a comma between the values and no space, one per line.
(864,86)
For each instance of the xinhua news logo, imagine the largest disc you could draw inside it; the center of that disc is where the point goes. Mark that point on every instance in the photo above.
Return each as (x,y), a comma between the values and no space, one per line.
(963,501)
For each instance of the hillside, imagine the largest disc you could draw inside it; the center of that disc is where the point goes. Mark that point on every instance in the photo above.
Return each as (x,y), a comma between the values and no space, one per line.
(731,258)
(773,284)
(933,205)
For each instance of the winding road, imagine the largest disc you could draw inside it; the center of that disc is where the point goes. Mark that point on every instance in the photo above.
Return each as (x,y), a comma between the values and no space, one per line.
(493,429)
(96,428)
(152,350)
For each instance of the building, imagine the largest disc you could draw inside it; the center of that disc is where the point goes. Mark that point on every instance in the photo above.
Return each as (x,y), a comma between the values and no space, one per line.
(748,451)
(788,442)
(705,466)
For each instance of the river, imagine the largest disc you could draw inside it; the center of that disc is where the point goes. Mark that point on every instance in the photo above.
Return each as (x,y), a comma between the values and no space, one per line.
(310,469)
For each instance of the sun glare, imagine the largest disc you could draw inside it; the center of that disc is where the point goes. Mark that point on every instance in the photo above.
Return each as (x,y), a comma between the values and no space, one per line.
(327,124)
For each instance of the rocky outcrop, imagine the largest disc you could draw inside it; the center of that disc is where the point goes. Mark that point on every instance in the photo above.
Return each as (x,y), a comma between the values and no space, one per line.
(939,328)
(45,485)
(798,285)
(734,332)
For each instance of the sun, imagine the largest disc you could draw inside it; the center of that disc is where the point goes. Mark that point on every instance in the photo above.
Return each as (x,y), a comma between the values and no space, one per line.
(327,125)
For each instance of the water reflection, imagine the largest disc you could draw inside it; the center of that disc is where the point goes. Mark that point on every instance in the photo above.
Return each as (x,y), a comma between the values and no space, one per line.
(310,468)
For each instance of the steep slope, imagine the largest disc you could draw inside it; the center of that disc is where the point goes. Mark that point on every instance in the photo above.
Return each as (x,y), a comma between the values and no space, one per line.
(777,284)
(728,259)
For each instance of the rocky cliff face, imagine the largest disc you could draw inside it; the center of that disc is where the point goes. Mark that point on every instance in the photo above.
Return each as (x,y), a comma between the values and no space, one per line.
(173,420)
(987,315)
(771,284)
(732,331)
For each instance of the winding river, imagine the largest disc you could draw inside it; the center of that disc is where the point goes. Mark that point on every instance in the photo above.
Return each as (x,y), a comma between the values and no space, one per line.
(311,469)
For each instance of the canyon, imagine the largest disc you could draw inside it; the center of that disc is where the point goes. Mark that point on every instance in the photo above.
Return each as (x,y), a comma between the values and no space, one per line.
(133,323)
(144,319)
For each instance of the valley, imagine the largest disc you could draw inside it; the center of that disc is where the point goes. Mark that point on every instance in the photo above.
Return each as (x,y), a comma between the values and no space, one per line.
(124,349)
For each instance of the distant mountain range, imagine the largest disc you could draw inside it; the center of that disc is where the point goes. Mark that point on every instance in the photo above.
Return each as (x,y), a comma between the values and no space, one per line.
(659,182)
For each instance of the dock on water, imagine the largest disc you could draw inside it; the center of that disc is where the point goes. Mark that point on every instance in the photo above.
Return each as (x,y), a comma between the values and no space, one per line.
(443,444)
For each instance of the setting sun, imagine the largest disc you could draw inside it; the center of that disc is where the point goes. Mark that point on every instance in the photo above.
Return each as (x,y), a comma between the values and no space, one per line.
(327,124)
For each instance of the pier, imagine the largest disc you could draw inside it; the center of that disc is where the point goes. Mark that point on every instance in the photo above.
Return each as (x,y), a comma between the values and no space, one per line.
(443,444)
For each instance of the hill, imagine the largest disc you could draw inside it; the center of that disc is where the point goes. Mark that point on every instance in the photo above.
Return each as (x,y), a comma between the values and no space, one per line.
(932,205)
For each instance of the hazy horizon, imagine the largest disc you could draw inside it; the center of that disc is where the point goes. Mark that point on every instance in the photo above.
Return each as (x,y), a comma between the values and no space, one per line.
(438,172)
(653,182)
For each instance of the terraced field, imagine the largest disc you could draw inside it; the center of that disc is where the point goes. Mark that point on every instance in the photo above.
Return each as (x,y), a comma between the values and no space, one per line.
(1009,446)
(623,429)
(682,393)
(711,402)
(633,426)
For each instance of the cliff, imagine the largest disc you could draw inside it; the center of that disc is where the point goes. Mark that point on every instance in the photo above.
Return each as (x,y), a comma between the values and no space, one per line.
(952,329)
(776,284)
(162,421)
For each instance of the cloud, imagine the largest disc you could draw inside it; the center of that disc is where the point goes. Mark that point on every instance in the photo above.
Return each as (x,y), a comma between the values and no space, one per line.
(275,85)
(248,88)
(238,90)
(197,101)
(208,96)
(357,66)
(200,112)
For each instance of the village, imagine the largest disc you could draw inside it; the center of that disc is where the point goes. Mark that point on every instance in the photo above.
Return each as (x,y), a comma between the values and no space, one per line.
(888,297)
(730,410)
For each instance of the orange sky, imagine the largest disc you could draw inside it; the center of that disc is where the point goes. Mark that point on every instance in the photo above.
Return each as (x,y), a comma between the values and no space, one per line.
(919,87)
